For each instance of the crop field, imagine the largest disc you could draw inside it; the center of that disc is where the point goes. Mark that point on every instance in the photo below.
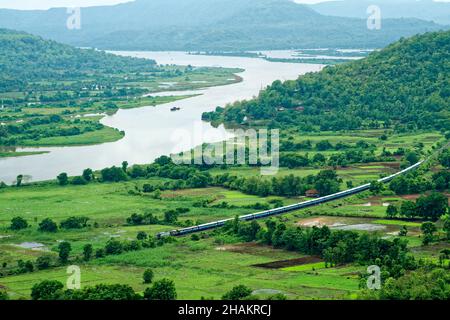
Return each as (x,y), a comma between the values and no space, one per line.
(213,264)
(203,270)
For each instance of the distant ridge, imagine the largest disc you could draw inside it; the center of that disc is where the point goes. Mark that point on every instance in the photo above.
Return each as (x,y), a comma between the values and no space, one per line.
(210,25)
(429,10)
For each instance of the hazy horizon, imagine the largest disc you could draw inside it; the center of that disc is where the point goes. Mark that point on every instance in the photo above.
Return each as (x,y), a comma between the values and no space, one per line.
(47,4)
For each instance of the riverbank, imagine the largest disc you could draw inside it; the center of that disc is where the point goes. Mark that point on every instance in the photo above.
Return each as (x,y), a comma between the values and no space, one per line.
(78,122)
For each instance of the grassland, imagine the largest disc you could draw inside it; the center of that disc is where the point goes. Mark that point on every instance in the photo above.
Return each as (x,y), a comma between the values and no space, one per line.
(211,266)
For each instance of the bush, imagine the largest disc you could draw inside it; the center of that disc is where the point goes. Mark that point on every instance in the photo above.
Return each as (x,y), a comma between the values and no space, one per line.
(100,253)
(113,247)
(18,223)
(141,235)
(63,179)
(48,225)
(87,252)
(43,262)
(79,181)
(3,295)
(74,223)
(64,249)
(161,290)
(47,290)
(237,293)
(148,276)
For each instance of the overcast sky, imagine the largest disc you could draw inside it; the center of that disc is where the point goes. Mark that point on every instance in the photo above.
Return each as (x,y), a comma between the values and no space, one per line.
(45,4)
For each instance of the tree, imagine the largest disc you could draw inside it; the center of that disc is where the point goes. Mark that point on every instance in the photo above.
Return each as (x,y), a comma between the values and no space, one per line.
(113,247)
(100,253)
(148,276)
(87,252)
(19,180)
(446,226)
(48,225)
(103,292)
(47,290)
(113,174)
(327,186)
(124,166)
(237,293)
(412,157)
(161,290)
(391,211)
(432,207)
(43,262)
(74,223)
(408,209)
(18,223)
(444,159)
(79,181)
(88,175)
(64,249)
(403,231)
(141,235)
(170,217)
(376,187)
(3,295)
(63,179)
(417,285)
(428,229)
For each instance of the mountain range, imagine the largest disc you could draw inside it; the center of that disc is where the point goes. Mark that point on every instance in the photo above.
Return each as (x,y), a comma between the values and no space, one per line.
(428,10)
(232,25)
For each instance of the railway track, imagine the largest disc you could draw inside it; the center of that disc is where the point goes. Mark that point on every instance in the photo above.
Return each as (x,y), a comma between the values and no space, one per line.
(285,209)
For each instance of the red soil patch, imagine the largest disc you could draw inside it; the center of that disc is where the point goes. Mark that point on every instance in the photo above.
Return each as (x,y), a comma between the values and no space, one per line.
(289,263)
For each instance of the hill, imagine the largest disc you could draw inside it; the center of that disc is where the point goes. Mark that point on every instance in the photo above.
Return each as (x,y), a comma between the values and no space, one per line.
(405,86)
(428,10)
(210,25)
(27,58)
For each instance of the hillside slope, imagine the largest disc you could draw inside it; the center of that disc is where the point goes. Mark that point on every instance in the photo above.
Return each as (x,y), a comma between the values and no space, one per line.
(26,58)
(210,25)
(429,10)
(406,85)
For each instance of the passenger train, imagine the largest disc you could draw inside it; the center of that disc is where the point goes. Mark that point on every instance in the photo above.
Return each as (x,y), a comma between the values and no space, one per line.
(281,210)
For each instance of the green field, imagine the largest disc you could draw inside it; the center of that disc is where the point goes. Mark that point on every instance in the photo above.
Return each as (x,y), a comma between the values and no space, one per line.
(214,264)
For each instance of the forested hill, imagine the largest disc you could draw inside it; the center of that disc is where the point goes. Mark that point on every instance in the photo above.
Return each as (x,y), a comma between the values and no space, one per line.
(27,58)
(406,84)
(193,25)
(429,10)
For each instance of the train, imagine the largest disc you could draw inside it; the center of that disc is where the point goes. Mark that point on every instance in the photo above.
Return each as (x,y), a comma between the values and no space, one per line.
(286,209)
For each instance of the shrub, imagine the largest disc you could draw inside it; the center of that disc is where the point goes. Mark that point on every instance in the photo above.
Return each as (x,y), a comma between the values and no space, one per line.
(48,225)
(18,223)
(161,290)
(237,293)
(148,276)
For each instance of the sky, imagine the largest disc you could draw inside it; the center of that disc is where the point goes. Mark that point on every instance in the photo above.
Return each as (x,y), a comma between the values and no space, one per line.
(46,4)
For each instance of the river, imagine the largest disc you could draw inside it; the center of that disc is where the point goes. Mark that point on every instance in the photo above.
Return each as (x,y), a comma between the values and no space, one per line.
(155,131)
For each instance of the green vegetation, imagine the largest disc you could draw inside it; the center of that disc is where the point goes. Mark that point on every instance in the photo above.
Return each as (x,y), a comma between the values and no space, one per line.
(106,221)
(404,85)
(55,95)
